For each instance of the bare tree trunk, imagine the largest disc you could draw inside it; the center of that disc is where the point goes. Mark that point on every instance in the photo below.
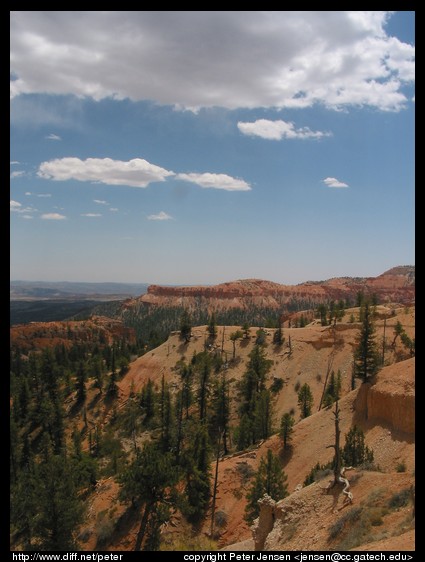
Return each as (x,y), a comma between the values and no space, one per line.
(330,363)
(143,525)
(215,483)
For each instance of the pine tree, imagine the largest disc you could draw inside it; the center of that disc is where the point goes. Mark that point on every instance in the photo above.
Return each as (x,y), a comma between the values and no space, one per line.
(355,452)
(81,382)
(270,479)
(198,475)
(60,509)
(305,400)
(234,336)
(166,417)
(185,326)
(286,428)
(333,389)
(147,402)
(220,412)
(149,482)
(212,327)
(366,357)
(263,415)
(278,338)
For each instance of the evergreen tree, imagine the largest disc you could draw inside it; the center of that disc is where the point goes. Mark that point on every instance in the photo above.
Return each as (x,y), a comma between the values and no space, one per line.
(366,357)
(286,429)
(148,482)
(166,417)
(270,479)
(408,343)
(263,416)
(234,336)
(198,475)
(220,412)
(261,337)
(60,509)
(355,452)
(212,327)
(278,338)
(398,332)
(305,400)
(147,402)
(333,389)
(81,382)
(244,433)
(245,329)
(322,311)
(185,326)
(112,389)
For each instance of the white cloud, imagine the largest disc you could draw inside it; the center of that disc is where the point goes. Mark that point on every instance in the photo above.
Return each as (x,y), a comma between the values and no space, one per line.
(277,130)
(213,58)
(100,202)
(216,181)
(53,216)
(16,174)
(44,194)
(27,217)
(161,216)
(114,209)
(134,173)
(14,162)
(14,205)
(52,136)
(333,182)
(91,215)
(28,193)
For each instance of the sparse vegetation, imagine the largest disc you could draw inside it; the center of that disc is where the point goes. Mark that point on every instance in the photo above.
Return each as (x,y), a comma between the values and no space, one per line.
(366,357)
(305,400)
(270,479)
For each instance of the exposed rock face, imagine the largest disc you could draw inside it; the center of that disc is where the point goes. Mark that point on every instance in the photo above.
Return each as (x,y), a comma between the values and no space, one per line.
(392,398)
(265,522)
(36,335)
(395,285)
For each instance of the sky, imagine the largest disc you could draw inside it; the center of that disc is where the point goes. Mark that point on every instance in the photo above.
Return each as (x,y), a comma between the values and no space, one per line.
(204,147)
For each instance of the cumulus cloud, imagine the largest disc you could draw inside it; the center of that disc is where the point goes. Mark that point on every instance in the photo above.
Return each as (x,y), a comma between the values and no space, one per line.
(134,173)
(16,174)
(100,202)
(199,59)
(28,193)
(91,215)
(14,205)
(53,216)
(333,182)
(14,162)
(277,130)
(52,136)
(161,216)
(216,181)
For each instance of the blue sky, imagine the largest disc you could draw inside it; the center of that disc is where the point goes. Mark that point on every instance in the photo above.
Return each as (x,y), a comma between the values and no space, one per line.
(203,147)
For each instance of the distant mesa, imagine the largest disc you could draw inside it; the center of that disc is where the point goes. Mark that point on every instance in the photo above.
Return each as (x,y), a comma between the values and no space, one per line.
(395,285)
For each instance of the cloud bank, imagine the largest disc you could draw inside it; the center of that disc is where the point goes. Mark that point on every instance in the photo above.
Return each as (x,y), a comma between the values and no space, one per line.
(135,173)
(231,59)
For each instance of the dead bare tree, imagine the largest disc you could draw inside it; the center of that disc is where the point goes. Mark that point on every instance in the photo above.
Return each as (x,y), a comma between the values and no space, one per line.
(339,471)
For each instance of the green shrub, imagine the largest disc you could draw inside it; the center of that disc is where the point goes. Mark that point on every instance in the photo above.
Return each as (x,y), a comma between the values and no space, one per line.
(401,467)
(349,517)
(399,499)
